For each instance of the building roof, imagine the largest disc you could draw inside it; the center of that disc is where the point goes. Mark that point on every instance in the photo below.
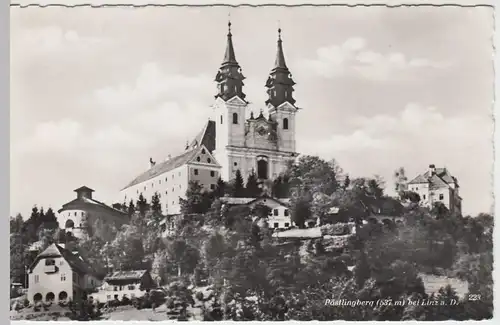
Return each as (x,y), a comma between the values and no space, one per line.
(250,200)
(76,263)
(84,201)
(126,275)
(165,166)
(441,178)
(206,137)
(83,189)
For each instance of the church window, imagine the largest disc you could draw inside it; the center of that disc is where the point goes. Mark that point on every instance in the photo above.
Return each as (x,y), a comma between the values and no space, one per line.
(165,179)
(262,168)
(285,123)
(198,159)
(196,171)
(209,160)
(275,211)
(441,196)
(144,188)
(286,212)
(212,173)
(221,119)
(235,118)
(76,213)
(212,186)
(424,196)
(235,163)
(203,151)
(166,192)
(152,185)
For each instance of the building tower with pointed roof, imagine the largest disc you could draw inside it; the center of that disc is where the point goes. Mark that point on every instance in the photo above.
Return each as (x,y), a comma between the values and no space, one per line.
(280,102)
(229,141)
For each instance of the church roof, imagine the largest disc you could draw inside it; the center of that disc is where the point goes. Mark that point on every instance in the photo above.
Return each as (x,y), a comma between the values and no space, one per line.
(206,137)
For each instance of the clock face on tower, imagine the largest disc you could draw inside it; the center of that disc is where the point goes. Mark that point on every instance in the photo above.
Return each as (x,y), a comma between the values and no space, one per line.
(261,131)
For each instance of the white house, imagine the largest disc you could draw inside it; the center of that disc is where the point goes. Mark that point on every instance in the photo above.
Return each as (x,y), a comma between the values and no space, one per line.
(437,185)
(58,274)
(119,284)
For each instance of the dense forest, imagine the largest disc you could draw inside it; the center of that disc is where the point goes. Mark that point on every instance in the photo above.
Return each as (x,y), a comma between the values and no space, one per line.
(257,277)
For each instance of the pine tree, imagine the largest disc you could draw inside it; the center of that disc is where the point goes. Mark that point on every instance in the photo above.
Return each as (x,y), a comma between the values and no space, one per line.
(50,220)
(238,188)
(220,189)
(156,204)
(252,188)
(142,205)
(131,208)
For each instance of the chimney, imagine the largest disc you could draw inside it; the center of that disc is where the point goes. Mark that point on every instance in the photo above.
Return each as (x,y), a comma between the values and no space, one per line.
(432,170)
(151,163)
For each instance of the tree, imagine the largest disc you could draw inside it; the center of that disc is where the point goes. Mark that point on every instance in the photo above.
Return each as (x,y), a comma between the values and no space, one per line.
(301,210)
(156,204)
(16,224)
(142,205)
(17,266)
(49,219)
(127,251)
(159,267)
(197,201)
(131,208)
(220,188)
(183,255)
(315,174)
(238,186)
(252,187)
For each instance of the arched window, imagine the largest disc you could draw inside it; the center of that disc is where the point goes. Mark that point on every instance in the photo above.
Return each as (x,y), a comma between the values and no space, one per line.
(262,167)
(69,224)
(37,297)
(285,123)
(63,295)
(221,119)
(50,296)
(235,118)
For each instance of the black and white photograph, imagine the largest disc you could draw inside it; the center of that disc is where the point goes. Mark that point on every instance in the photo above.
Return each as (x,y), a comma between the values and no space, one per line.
(251,163)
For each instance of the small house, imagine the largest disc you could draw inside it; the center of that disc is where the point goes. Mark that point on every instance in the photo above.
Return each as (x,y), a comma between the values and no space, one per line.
(120,284)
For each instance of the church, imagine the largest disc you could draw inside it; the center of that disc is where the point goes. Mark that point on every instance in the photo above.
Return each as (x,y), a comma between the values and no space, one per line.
(264,143)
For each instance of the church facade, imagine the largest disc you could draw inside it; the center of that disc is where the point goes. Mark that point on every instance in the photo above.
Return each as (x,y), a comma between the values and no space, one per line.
(264,143)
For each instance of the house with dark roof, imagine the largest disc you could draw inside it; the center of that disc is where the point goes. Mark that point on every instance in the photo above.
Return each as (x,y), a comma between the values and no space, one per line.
(437,185)
(58,274)
(170,178)
(84,210)
(279,209)
(120,284)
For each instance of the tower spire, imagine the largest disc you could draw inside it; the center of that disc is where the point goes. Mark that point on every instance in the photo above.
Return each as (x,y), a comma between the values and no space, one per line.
(280,83)
(229,77)
(229,56)
(280,63)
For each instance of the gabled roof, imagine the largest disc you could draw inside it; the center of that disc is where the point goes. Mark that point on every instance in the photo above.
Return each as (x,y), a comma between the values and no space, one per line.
(206,137)
(247,200)
(126,275)
(441,178)
(54,250)
(78,202)
(165,166)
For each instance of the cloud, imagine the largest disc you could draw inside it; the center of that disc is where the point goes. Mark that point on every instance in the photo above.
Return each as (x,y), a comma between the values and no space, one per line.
(52,40)
(353,56)
(150,86)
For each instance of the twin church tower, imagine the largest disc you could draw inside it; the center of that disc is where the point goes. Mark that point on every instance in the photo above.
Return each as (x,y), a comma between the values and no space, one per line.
(261,142)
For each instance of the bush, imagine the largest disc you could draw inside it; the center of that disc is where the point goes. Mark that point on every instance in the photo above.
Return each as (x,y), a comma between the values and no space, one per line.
(26,302)
(125,301)
(337,229)
(199,296)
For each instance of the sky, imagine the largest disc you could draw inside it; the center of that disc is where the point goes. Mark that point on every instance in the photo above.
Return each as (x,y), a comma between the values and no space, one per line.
(96,92)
